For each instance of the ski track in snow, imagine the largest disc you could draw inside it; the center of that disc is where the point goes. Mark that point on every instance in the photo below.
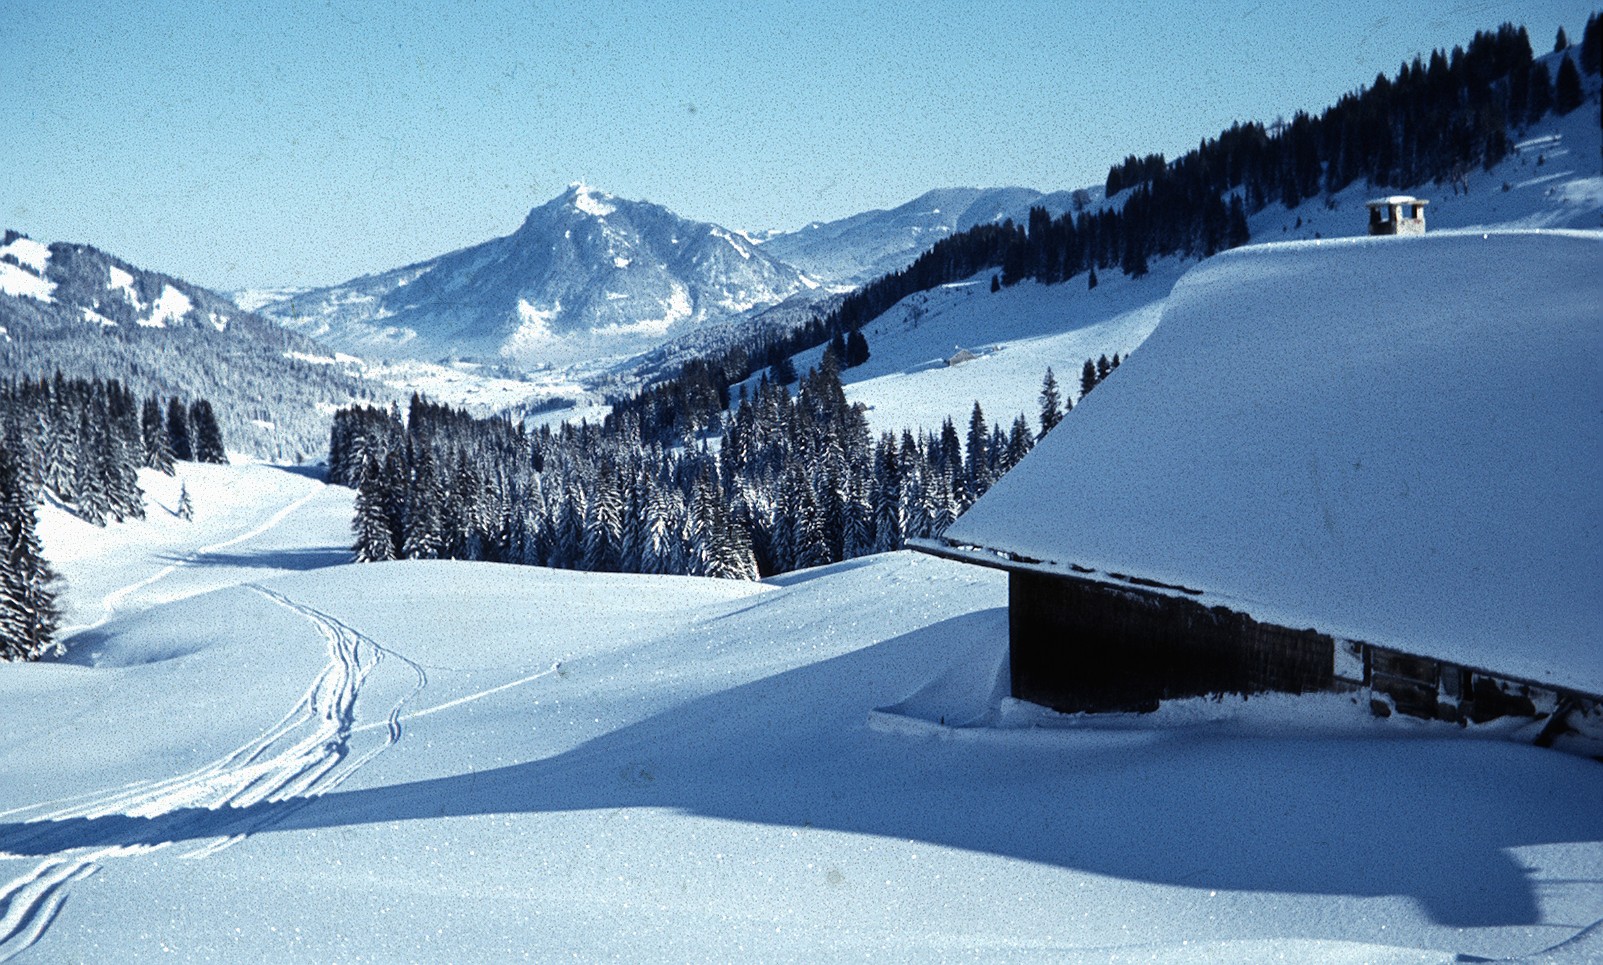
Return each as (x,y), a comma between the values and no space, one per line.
(469,698)
(305,754)
(113,600)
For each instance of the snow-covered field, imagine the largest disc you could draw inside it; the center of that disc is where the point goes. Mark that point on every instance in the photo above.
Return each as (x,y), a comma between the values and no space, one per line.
(264,754)
(469,386)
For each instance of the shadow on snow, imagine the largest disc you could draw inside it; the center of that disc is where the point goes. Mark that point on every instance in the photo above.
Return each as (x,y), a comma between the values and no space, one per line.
(299,559)
(1431,819)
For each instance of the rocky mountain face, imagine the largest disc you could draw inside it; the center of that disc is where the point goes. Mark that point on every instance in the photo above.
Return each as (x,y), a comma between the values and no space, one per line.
(587,276)
(87,313)
(864,246)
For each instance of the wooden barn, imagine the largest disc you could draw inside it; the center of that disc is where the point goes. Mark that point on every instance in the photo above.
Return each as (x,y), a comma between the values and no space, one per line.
(1293,487)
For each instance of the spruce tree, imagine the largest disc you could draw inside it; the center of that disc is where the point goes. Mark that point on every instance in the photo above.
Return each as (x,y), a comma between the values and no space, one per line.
(859,537)
(658,526)
(61,450)
(158,451)
(425,498)
(1567,94)
(856,349)
(890,518)
(996,452)
(1088,378)
(120,461)
(783,371)
(374,543)
(1019,442)
(1051,404)
(28,614)
(945,507)
(1592,44)
(603,536)
(457,518)
(89,484)
(178,431)
(811,548)
(208,436)
(186,507)
(837,347)
(396,490)
(1540,98)
(1237,234)
(978,465)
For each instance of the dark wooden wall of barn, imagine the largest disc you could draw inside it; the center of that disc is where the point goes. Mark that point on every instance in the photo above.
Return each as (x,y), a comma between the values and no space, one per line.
(1084,646)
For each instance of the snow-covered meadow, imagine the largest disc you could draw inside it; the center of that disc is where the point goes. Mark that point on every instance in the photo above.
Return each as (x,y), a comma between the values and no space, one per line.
(265,754)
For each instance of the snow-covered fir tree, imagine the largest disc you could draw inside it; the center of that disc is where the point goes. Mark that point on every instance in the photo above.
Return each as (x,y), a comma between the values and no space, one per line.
(84,441)
(794,480)
(28,614)
(208,435)
(1051,403)
(158,449)
(178,436)
(371,525)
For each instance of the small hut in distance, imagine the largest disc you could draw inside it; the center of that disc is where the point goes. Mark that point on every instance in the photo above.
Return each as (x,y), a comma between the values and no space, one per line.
(1399,214)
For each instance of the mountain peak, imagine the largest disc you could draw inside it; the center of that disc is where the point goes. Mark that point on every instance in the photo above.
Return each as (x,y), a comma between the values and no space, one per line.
(588,275)
(582,197)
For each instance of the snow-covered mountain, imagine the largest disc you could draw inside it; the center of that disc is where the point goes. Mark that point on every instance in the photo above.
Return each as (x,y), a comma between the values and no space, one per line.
(588,275)
(87,313)
(864,246)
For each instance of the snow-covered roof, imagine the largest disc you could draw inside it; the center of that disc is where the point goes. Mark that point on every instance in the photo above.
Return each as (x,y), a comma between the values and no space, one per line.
(1396,199)
(1298,442)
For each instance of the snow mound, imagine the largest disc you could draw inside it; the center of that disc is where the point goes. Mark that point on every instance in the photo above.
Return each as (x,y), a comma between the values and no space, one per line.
(591,201)
(171,306)
(22,284)
(1392,440)
(34,254)
(123,281)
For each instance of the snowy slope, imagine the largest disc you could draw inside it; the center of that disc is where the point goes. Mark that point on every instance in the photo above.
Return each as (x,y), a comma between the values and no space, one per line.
(1339,435)
(1553,182)
(285,516)
(587,276)
(864,246)
(1017,333)
(435,760)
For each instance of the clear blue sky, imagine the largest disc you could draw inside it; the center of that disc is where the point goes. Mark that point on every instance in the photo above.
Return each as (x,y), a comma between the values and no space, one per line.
(258,143)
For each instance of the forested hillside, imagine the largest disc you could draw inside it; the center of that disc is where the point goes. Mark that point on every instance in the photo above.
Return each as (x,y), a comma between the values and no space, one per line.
(795,481)
(94,316)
